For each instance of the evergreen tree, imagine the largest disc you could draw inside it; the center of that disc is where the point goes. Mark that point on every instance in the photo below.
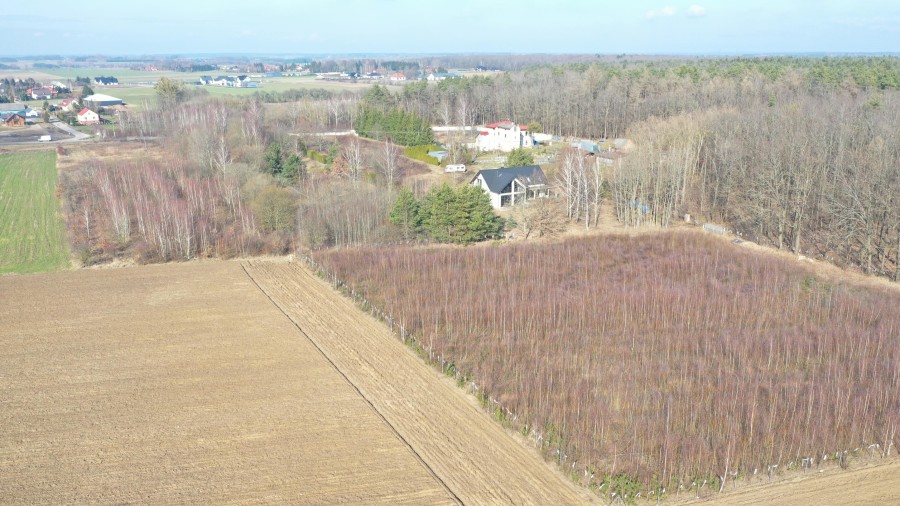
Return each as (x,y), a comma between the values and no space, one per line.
(480,221)
(406,214)
(519,157)
(438,210)
(460,215)
(274,159)
(293,169)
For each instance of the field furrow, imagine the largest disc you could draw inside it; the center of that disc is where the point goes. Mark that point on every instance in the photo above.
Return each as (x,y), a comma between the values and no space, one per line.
(476,458)
(182,384)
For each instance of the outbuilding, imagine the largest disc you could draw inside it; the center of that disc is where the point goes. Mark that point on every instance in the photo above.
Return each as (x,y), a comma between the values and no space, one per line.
(102,100)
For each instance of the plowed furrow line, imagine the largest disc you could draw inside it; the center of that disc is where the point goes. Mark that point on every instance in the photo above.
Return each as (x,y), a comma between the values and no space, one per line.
(470,453)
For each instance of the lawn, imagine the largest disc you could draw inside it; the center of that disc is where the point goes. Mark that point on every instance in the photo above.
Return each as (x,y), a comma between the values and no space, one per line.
(32,237)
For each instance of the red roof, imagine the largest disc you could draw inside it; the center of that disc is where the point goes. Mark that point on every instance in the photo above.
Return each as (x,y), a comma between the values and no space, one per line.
(83,111)
(506,123)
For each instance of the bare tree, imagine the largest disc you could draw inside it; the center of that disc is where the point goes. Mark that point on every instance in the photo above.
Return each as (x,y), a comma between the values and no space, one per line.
(389,162)
(353,156)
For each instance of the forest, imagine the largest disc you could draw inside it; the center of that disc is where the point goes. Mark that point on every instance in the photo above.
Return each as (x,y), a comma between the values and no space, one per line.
(672,361)
(800,154)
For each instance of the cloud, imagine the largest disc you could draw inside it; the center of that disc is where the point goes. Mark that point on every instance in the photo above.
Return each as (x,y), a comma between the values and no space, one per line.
(665,12)
(696,11)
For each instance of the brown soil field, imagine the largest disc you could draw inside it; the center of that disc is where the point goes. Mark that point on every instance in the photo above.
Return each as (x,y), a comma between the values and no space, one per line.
(871,485)
(184,383)
(472,454)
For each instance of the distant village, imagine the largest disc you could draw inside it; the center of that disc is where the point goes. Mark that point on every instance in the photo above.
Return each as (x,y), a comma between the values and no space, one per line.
(71,106)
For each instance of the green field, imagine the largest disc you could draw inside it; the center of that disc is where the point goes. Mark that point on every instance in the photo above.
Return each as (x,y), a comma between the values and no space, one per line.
(32,235)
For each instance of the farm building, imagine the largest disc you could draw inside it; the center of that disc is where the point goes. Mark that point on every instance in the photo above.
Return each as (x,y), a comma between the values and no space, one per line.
(88,117)
(508,186)
(33,113)
(101,100)
(503,136)
(12,120)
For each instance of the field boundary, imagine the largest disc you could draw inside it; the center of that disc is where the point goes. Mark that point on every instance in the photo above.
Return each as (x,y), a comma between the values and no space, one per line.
(355,387)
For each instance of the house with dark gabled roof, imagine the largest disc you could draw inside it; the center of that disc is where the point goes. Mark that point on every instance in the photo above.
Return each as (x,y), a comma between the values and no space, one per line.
(106,81)
(12,120)
(508,186)
(42,93)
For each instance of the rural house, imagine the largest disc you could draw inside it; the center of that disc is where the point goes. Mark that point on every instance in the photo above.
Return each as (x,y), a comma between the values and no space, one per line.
(68,104)
(508,186)
(441,76)
(88,117)
(503,136)
(106,81)
(43,93)
(397,76)
(226,81)
(12,120)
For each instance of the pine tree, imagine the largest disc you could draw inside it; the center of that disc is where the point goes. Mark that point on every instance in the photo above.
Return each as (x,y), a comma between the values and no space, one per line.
(519,157)
(273,159)
(406,214)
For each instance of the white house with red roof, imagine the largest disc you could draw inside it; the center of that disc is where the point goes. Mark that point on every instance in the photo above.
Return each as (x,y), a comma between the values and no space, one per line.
(88,117)
(397,76)
(503,136)
(68,104)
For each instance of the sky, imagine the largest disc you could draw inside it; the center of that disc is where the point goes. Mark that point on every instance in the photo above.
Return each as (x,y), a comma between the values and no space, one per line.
(139,27)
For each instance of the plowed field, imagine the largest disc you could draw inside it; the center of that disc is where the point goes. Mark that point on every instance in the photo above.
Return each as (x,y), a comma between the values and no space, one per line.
(181,384)
(184,383)
(470,453)
(879,484)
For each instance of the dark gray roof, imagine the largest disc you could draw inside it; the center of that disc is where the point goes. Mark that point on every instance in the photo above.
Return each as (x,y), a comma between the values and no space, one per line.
(498,179)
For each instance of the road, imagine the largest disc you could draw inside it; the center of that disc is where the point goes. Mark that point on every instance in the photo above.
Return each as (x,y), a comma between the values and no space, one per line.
(77,136)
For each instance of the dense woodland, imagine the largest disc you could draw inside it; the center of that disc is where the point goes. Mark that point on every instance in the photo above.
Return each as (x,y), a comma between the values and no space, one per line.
(673,361)
(797,153)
